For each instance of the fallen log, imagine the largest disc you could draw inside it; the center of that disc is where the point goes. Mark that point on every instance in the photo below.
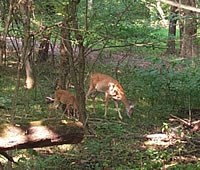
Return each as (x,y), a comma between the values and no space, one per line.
(40,134)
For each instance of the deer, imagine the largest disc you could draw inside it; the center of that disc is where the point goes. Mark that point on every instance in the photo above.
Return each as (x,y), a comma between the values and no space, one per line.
(67,98)
(103,83)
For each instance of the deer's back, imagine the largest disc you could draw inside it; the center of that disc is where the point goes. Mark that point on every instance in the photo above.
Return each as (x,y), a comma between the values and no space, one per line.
(102,81)
(63,96)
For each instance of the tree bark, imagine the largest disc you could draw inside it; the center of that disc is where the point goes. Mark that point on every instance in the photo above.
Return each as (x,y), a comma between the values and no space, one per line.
(5,32)
(65,51)
(78,71)
(74,54)
(40,134)
(44,48)
(171,44)
(189,43)
(25,9)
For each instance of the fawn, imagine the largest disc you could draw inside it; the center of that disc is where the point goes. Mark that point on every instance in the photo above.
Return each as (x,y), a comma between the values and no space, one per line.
(67,98)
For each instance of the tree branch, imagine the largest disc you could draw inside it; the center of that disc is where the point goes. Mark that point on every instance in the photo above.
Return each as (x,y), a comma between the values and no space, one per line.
(179,5)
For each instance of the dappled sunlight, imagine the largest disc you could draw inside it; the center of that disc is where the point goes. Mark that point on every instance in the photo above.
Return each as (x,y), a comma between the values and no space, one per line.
(11,134)
(174,141)
(137,143)
(39,134)
(176,160)
(39,131)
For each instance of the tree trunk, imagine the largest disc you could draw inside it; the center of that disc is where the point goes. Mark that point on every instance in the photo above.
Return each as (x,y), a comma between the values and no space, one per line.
(44,48)
(65,51)
(3,8)
(5,32)
(189,44)
(74,55)
(181,26)
(171,44)
(25,9)
(77,72)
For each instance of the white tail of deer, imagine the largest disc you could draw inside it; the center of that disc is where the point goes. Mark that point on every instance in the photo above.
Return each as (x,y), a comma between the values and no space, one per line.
(112,89)
(67,98)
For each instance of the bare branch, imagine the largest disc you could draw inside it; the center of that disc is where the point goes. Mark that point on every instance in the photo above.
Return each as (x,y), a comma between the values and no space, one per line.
(179,5)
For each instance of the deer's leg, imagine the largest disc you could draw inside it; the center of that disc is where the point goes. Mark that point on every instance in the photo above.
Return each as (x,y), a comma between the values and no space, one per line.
(117,108)
(56,104)
(74,112)
(93,96)
(64,107)
(90,90)
(68,110)
(94,103)
(107,98)
(76,109)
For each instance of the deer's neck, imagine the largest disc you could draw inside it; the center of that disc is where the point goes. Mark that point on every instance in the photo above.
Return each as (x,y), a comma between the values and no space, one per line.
(125,102)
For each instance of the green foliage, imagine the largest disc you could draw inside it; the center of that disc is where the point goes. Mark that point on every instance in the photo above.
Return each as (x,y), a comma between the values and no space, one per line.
(175,82)
(110,23)
(188,166)
(5,102)
(41,162)
(157,89)
(164,86)
(123,24)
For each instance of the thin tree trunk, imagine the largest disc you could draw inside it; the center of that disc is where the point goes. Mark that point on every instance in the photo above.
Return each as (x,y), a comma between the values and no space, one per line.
(65,51)
(44,48)
(25,9)
(181,26)
(77,73)
(74,55)
(5,32)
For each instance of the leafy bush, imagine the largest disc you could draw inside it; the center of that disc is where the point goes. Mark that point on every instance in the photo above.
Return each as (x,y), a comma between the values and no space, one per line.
(174,83)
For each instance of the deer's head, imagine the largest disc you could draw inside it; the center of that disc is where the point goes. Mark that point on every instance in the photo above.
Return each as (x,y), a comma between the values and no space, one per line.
(130,109)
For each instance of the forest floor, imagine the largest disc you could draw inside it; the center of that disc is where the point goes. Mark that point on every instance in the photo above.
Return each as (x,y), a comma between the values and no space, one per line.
(151,139)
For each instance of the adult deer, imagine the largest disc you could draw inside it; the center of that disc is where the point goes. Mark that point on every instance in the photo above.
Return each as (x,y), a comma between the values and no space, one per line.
(67,98)
(112,89)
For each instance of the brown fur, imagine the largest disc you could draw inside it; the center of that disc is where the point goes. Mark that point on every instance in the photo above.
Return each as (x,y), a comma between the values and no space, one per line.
(112,88)
(67,98)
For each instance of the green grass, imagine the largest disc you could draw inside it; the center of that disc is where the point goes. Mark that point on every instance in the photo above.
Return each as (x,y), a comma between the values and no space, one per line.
(116,144)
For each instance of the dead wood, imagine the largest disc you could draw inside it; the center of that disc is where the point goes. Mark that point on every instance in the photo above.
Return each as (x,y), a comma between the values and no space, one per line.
(175,118)
(40,134)
(194,125)
(158,136)
(7,156)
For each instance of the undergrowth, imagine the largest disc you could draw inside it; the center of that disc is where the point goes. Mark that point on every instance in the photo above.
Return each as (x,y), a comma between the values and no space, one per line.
(161,88)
